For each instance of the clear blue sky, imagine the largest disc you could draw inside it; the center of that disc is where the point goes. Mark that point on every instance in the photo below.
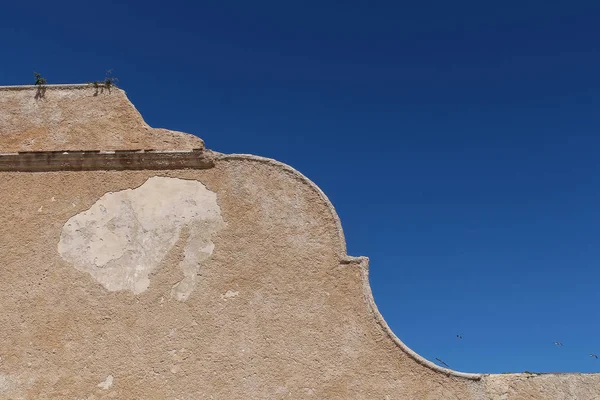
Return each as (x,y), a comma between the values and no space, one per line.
(459,142)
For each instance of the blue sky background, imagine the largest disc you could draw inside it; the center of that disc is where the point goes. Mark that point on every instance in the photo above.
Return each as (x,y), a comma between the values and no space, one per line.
(459,142)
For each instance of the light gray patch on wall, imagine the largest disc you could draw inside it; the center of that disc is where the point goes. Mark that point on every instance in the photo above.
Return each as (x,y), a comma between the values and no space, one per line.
(125,235)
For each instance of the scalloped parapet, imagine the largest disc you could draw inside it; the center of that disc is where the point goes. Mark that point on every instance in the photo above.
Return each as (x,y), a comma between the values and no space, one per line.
(79,117)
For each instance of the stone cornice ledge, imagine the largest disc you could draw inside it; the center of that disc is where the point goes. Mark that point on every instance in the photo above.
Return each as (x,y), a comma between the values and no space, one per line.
(42,161)
(53,86)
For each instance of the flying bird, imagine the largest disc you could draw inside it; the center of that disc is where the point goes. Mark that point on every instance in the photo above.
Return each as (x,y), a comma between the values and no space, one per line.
(459,336)
(446,365)
(593,355)
(558,344)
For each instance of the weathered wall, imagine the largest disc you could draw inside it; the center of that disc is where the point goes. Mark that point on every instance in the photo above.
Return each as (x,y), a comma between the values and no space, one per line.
(230,282)
(79,117)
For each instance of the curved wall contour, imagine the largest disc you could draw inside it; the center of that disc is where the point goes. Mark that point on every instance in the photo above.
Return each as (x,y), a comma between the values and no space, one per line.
(131,271)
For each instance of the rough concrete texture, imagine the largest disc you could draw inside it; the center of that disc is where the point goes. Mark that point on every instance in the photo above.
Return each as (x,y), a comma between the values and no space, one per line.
(277,309)
(79,117)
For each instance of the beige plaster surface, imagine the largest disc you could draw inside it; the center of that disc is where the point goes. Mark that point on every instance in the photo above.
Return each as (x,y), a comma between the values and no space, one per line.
(79,117)
(277,311)
(125,235)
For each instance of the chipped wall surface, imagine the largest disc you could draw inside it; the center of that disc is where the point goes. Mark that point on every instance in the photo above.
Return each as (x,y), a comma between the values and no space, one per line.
(230,282)
(125,235)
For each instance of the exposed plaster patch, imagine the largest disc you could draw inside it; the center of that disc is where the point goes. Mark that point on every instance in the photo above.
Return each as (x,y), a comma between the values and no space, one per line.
(282,390)
(107,383)
(229,294)
(309,391)
(125,235)
(6,383)
(13,383)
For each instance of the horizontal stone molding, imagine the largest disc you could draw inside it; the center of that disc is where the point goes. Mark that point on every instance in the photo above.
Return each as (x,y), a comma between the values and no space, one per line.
(53,86)
(42,161)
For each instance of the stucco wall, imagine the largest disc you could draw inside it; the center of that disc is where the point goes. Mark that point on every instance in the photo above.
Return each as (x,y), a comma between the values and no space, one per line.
(229,282)
(79,117)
